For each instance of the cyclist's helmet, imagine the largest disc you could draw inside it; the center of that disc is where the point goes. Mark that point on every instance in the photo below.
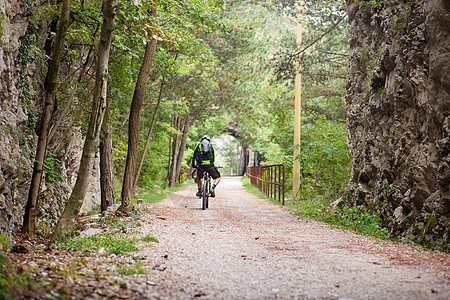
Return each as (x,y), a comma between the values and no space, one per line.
(205,137)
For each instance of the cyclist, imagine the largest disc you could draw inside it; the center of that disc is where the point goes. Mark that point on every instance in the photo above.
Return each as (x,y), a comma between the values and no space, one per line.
(203,158)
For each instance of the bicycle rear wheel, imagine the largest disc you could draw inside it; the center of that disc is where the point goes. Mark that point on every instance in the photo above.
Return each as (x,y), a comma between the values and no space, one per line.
(205,196)
(209,191)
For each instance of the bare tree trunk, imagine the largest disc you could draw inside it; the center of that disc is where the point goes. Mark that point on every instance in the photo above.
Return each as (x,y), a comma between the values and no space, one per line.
(67,222)
(187,125)
(45,121)
(133,125)
(171,149)
(169,158)
(155,114)
(175,150)
(108,194)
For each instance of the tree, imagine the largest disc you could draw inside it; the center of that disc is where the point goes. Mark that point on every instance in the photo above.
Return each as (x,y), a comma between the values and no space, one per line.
(150,131)
(175,27)
(179,159)
(133,125)
(67,222)
(45,121)
(108,194)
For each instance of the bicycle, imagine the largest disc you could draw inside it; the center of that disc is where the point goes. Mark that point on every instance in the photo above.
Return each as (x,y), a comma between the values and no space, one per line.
(206,188)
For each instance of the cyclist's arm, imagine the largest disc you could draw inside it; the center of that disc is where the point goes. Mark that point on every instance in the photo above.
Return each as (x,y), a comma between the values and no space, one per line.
(195,154)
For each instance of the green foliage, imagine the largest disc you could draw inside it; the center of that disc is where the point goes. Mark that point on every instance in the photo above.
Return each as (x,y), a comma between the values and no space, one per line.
(2,20)
(10,276)
(149,239)
(51,166)
(181,71)
(441,244)
(154,196)
(325,161)
(353,218)
(4,242)
(254,190)
(371,3)
(119,244)
(27,54)
(137,268)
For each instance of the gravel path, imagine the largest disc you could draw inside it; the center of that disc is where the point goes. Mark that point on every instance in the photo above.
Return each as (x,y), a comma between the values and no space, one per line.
(243,247)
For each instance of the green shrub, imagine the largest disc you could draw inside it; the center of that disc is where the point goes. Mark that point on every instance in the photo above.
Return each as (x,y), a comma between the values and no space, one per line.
(51,171)
(353,218)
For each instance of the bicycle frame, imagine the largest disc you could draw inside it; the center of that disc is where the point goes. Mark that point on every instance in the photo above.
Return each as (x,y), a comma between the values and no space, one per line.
(206,187)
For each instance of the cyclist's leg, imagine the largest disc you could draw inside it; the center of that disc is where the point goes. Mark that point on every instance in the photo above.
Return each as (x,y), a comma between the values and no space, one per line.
(198,180)
(216,176)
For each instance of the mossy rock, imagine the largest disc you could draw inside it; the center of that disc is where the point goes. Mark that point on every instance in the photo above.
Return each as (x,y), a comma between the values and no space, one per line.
(432,222)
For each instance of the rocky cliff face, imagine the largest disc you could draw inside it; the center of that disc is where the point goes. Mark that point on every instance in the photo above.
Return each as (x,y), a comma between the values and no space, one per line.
(13,157)
(22,39)
(398,104)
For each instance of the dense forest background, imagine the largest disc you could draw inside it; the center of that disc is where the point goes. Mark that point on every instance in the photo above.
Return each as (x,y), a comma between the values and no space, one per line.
(179,70)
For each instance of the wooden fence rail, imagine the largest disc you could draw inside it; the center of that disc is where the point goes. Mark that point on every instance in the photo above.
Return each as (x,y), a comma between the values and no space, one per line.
(269,180)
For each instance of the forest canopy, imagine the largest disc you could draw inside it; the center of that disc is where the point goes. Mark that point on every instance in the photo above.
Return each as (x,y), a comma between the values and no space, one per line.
(176,70)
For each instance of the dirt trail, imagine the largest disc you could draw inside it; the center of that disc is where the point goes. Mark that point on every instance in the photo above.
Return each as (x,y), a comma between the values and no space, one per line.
(243,247)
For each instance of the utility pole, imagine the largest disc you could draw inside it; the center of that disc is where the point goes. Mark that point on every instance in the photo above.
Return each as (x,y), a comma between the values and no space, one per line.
(297,113)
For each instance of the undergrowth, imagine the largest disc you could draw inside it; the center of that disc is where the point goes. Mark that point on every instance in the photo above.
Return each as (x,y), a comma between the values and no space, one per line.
(137,268)
(155,196)
(352,218)
(10,274)
(119,244)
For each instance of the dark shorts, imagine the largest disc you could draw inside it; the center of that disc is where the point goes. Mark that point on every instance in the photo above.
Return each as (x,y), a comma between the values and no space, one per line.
(211,170)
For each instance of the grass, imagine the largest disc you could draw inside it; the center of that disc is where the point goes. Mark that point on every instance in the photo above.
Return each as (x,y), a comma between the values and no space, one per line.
(150,239)
(137,268)
(118,244)
(152,196)
(253,189)
(352,218)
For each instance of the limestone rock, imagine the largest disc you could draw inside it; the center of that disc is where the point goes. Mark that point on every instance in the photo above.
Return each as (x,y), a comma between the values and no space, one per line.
(398,104)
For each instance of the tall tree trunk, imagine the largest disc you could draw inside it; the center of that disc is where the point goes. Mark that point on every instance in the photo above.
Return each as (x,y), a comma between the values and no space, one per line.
(44,124)
(152,125)
(187,125)
(133,125)
(67,222)
(175,150)
(171,149)
(108,194)
(169,161)
(119,130)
